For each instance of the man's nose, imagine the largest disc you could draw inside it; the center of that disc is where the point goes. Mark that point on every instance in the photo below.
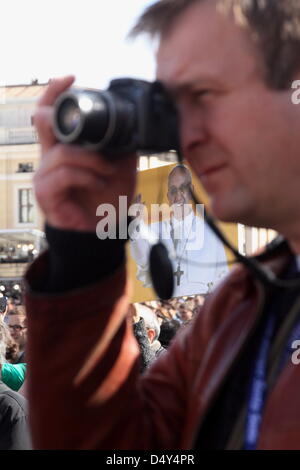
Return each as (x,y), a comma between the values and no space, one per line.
(178,197)
(193,132)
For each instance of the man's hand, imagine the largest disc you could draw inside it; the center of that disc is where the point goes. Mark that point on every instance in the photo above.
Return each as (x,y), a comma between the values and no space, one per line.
(72,181)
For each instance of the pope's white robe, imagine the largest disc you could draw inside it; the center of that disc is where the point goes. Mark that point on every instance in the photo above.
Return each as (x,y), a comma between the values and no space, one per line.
(199,252)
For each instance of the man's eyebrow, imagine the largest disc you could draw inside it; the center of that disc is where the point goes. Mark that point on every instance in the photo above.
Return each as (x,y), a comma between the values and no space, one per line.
(176,90)
(179,185)
(189,85)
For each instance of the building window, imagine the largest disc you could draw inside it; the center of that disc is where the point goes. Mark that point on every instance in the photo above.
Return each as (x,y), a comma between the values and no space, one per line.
(25,168)
(26,206)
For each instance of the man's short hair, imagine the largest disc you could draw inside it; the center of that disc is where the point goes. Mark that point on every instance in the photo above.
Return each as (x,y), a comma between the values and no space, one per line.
(150,318)
(5,340)
(8,347)
(168,330)
(182,168)
(275,24)
(3,304)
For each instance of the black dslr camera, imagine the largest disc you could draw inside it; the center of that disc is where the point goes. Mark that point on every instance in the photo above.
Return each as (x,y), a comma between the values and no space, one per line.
(130,116)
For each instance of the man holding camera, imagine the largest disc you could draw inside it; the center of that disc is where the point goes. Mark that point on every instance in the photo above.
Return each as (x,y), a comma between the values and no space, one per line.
(228,381)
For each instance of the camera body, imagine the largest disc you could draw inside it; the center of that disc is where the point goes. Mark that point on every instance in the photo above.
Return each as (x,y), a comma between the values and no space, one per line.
(130,116)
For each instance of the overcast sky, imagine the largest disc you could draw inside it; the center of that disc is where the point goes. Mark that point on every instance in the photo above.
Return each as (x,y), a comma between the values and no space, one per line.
(47,38)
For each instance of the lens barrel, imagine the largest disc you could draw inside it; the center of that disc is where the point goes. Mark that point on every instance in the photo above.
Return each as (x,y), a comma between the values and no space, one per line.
(82,117)
(69,117)
(131,115)
(94,119)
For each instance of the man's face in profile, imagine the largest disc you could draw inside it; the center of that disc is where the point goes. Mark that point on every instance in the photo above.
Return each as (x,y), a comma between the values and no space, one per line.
(18,329)
(179,194)
(239,136)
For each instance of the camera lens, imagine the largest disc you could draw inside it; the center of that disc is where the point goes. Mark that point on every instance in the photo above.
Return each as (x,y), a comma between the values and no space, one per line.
(130,115)
(84,117)
(69,116)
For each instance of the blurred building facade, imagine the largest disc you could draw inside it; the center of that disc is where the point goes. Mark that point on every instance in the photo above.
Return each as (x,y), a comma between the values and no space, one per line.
(21,223)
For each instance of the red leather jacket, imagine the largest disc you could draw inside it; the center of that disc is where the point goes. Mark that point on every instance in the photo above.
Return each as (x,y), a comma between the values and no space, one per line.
(85,387)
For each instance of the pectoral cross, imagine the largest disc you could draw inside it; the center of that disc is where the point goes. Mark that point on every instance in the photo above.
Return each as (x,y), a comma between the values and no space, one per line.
(178,274)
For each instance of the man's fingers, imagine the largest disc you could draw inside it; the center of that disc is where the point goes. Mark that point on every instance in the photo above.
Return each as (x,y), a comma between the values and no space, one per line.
(54,89)
(43,117)
(43,123)
(59,182)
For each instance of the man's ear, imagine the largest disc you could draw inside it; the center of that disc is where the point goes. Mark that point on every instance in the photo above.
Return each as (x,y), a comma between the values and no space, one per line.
(191,190)
(151,334)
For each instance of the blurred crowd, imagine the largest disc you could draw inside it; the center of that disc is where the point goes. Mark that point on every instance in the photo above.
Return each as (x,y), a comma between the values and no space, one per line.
(181,309)
(155,324)
(15,433)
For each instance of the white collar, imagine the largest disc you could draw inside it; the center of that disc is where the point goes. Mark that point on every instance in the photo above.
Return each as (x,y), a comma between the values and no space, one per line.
(187,221)
(298,262)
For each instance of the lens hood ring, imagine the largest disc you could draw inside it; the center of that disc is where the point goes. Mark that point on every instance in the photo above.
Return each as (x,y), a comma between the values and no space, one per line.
(112,113)
(63,137)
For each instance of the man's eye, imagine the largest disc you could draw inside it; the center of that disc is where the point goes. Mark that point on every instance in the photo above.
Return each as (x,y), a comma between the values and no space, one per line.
(200,94)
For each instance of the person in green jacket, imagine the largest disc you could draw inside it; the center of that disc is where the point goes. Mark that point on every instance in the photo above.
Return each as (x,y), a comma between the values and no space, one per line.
(13,375)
